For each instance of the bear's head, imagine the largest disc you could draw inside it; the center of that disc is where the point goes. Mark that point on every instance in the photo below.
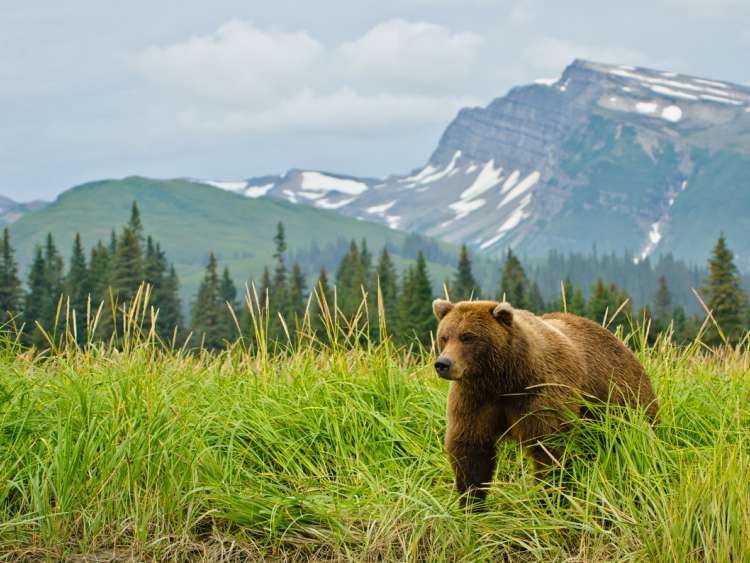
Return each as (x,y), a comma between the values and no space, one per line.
(473,337)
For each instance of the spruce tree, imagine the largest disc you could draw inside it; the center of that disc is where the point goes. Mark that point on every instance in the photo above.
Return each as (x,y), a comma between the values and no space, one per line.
(279,288)
(11,292)
(534,299)
(38,300)
(513,282)
(99,273)
(577,303)
(415,311)
(600,302)
(135,222)
(297,295)
(351,277)
(662,305)
(321,301)
(77,285)
(388,280)
(170,307)
(228,296)
(209,310)
(127,266)
(266,287)
(724,296)
(465,285)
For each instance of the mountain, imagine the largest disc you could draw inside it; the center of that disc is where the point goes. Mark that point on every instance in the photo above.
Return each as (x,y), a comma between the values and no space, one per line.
(623,158)
(191,219)
(11,211)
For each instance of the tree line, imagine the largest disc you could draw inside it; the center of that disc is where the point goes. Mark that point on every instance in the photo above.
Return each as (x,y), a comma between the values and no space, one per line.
(96,289)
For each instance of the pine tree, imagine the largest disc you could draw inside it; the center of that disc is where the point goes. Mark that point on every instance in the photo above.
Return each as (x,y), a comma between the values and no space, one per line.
(465,285)
(577,303)
(209,311)
(662,305)
(54,272)
(322,300)
(534,299)
(513,283)
(99,273)
(11,293)
(724,296)
(351,277)
(77,285)
(266,286)
(388,280)
(415,311)
(297,295)
(127,266)
(170,306)
(38,300)
(164,283)
(279,288)
(135,222)
(228,296)
(600,302)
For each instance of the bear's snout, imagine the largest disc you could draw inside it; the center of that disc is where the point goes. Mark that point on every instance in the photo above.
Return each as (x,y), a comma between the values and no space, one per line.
(443,367)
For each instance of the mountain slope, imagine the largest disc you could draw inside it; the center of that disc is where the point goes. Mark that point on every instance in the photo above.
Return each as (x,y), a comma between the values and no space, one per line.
(627,158)
(190,220)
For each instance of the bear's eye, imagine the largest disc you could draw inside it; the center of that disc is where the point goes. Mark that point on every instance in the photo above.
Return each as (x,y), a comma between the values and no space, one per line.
(467,337)
(443,340)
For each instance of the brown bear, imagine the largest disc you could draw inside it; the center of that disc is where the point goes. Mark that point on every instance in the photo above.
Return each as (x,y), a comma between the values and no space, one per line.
(517,375)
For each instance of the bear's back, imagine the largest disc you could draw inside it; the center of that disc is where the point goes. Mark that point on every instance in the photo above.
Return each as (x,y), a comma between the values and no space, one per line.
(612,371)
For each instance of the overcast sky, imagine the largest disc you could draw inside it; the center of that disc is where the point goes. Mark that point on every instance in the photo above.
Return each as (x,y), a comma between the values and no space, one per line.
(231,89)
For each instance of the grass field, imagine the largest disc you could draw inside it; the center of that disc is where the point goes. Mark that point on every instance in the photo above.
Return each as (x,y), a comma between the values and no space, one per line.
(335,453)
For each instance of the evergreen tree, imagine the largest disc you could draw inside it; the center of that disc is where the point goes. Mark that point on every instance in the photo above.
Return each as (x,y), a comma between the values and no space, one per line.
(323,294)
(112,243)
(209,310)
(534,299)
(415,310)
(266,286)
(662,305)
(170,307)
(465,285)
(135,221)
(351,277)
(513,283)
(297,295)
(164,283)
(77,285)
(724,296)
(127,266)
(279,288)
(99,273)
(577,303)
(11,293)
(38,300)
(55,269)
(599,303)
(387,278)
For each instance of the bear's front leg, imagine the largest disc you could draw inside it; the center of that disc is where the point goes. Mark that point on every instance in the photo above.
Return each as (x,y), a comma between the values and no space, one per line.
(473,466)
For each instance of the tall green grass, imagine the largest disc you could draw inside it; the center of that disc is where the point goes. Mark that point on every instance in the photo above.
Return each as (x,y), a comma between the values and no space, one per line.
(331,448)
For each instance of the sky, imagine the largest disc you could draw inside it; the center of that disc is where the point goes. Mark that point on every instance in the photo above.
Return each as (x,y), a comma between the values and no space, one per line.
(231,89)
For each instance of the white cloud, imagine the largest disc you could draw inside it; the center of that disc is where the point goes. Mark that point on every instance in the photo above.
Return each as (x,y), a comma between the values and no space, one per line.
(342,111)
(552,55)
(243,79)
(402,53)
(237,64)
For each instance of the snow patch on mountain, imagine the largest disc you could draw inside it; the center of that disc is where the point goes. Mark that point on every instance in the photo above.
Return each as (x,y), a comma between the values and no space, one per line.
(487,179)
(381,209)
(258,191)
(524,185)
(317,181)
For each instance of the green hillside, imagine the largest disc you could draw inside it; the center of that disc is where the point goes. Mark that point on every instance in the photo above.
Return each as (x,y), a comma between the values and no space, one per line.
(190,220)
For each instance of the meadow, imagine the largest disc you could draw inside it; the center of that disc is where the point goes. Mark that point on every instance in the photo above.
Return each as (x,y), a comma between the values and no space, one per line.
(331,449)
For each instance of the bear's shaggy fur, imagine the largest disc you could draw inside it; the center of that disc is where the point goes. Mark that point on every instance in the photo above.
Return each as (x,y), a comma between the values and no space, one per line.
(517,375)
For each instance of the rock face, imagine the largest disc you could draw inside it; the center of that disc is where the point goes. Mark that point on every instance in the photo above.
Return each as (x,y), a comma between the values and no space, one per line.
(621,157)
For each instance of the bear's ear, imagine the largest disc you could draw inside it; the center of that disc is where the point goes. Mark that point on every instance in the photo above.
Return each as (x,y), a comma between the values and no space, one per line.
(441,307)
(503,312)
